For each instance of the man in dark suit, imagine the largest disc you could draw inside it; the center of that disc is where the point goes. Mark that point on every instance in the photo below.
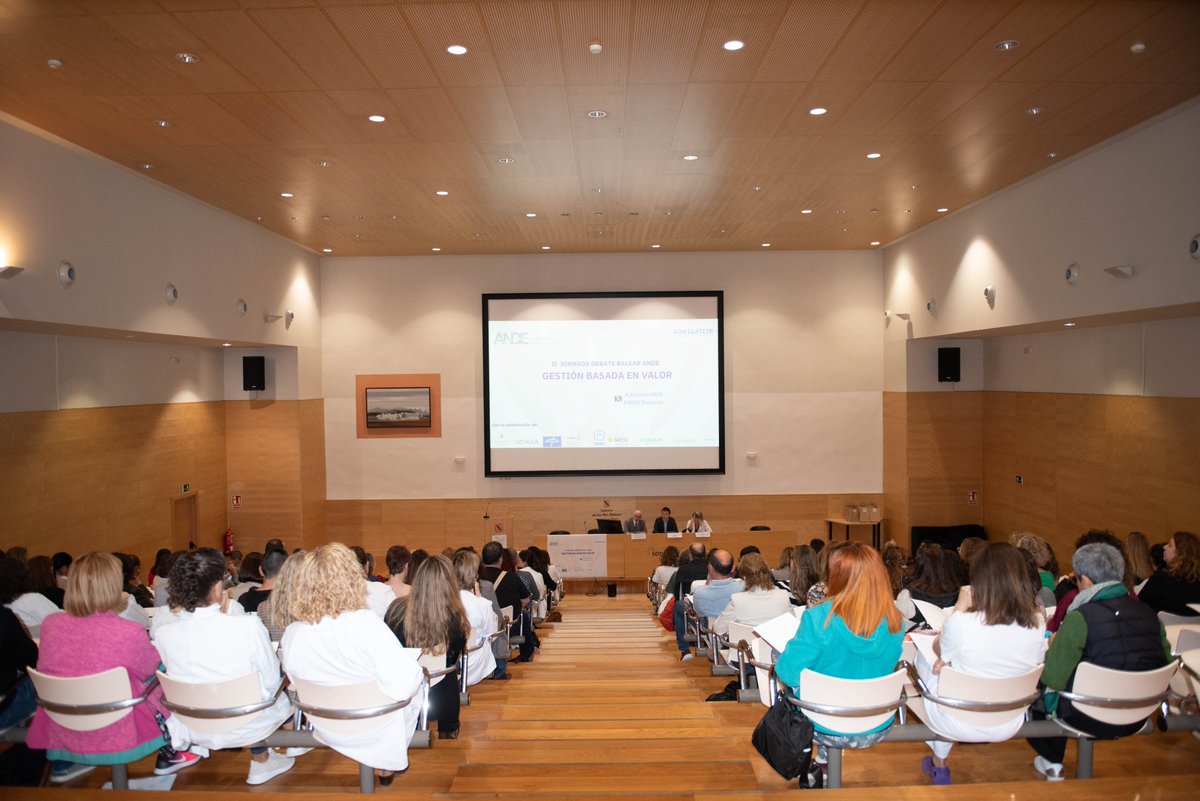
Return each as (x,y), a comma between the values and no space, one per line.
(664,522)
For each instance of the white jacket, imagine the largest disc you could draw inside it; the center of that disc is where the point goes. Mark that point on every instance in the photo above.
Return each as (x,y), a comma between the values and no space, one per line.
(483,620)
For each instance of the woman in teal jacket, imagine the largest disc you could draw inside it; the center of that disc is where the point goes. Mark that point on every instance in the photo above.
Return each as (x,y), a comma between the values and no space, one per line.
(857,633)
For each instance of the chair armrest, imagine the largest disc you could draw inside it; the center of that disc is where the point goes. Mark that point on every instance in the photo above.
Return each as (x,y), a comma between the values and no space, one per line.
(97,709)
(354,714)
(844,711)
(1115,703)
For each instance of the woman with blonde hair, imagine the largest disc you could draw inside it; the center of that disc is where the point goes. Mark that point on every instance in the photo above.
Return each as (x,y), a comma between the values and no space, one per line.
(332,638)
(435,621)
(91,638)
(759,602)
(856,633)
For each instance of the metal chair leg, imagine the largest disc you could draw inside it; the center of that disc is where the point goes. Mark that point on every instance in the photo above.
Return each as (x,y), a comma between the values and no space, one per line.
(834,778)
(120,777)
(1083,767)
(366,779)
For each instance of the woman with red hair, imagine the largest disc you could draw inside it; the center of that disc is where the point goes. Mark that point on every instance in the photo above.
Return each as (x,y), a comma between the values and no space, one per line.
(856,633)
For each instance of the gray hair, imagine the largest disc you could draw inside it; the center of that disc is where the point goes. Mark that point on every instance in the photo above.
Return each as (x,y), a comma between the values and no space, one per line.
(1099,562)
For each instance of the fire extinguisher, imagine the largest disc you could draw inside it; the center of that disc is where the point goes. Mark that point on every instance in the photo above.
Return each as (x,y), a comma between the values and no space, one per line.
(227,541)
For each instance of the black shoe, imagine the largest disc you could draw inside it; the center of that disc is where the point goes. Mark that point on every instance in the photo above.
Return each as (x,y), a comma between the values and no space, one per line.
(449,735)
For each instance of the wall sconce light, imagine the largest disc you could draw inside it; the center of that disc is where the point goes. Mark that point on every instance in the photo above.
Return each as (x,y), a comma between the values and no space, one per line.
(288,316)
(1122,270)
(10,271)
(989,292)
(931,305)
(270,318)
(887,315)
(66,273)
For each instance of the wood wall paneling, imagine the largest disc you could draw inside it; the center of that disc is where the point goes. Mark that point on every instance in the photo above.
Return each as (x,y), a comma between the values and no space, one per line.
(944,456)
(264,467)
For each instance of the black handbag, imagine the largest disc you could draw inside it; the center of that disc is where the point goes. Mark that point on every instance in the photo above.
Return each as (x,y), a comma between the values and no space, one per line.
(784,738)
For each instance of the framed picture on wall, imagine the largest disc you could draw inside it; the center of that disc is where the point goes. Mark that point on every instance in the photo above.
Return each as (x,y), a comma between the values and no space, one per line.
(399,405)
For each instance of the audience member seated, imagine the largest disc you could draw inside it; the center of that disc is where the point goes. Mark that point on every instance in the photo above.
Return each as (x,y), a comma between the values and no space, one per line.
(710,598)
(131,567)
(856,633)
(692,568)
(249,577)
(1171,590)
(896,560)
(1066,589)
(434,620)
(666,566)
(17,653)
(782,571)
(995,631)
(1106,627)
(268,569)
(1043,556)
(697,525)
(531,645)
(804,571)
(159,568)
(90,638)
(399,561)
(332,638)
(276,624)
(61,562)
(539,560)
(935,581)
(664,523)
(759,602)
(162,569)
(816,591)
(169,615)
(206,646)
(41,580)
(968,547)
(30,607)
(510,590)
(379,594)
(480,615)
(1137,555)
(538,590)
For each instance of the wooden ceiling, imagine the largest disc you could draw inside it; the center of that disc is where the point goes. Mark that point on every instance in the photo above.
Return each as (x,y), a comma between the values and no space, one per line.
(282,86)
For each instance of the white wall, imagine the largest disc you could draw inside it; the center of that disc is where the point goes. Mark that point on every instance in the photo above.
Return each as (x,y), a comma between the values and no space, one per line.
(43,372)
(1134,200)
(128,236)
(803,363)
(922,365)
(1157,359)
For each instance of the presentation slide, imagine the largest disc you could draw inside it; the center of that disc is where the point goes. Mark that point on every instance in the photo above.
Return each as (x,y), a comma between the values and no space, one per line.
(602,384)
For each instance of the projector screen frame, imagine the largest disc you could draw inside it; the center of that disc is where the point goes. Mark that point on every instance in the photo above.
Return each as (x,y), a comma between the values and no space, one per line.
(717,295)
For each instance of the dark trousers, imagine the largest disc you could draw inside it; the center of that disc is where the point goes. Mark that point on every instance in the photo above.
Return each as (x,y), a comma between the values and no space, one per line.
(444,703)
(1054,749)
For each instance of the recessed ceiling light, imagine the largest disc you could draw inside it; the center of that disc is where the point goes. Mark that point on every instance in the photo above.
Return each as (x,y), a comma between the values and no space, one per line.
(545,247)
(874,244)
(436,250)
(226,344)
(163,123)
(531,214)
(690,157)
(54,63)
(817,111)
(441,193)
(874,155)
(597,113)
(914,187)
(806,211)
(1007,44)
(756,188)
(734,44)
(943,210)
(506,159)
(456,50)
(1068,325)
(293,218)
(326,218)
(324,163)
(259,219)
(1034,111)
(286,194)
(187,58)
(326,250)
(147,165)
(766,244)
(377,118)
(1137,48)
(656,246)
(1051,155)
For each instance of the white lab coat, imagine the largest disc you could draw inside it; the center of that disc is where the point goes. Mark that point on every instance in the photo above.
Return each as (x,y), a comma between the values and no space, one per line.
(166,616)
(32,608)
(207,646)
(379,597)
(483,620)
(353,648)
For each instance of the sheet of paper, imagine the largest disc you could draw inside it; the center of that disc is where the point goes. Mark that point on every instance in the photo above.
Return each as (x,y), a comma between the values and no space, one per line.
(778,631)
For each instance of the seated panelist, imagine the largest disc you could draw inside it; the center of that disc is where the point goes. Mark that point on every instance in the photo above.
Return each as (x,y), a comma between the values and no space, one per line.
(664,522)
(636,523)
(697,525)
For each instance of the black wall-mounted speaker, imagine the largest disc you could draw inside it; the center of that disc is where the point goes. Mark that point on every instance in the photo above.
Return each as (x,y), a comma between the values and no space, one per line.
(949,365)
(254,373)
